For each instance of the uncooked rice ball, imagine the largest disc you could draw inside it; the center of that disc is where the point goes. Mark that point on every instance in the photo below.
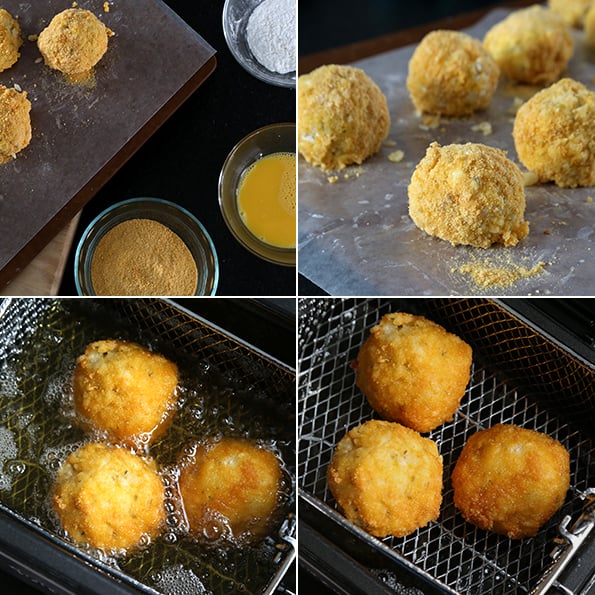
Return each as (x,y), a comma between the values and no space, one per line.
(511,480)
(109,498)
(74,42)
(343,116)
(554,134)
(451,74)
(413,371)
(386,478)
(572,11)
(531,46)
(10,40)
(15,123)
(469,194)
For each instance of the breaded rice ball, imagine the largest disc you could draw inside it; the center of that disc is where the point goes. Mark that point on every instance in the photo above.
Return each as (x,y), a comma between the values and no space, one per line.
(572,11)
(231,491)
(468,194)
(531,46)
(10,40)
(125,391)
(590,26)
(109,498)
(15,123)
(342,116)
(554,134)
(413,371)
(74,42)
(511,480)
(451,74)
(386,478)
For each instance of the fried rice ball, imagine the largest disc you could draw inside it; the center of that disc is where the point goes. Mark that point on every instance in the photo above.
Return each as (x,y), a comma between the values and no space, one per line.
(10,40)
(572,11)
(468,194)
(343,116)
(451,74)
(386,478)
(109,498)
(413,371)
(125,391)
(590,27)
(231,491)
(74,42)
(531,46)
(554,134)
(15,123)
(511,480)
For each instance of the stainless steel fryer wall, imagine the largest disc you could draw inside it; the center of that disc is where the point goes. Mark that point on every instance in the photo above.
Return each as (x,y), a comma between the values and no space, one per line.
(518,376)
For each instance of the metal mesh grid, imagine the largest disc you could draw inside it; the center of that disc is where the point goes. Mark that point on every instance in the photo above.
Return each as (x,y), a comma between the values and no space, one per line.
(239,392)
(457,555)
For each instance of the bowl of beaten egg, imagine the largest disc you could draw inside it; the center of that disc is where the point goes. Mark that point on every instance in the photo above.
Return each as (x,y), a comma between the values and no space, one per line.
(257,193)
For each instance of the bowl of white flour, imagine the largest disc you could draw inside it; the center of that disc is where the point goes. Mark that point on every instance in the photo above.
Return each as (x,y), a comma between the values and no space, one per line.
(262,36)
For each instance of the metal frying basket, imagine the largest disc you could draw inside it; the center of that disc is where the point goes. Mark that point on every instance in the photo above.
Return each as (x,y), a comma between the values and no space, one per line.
(519,376)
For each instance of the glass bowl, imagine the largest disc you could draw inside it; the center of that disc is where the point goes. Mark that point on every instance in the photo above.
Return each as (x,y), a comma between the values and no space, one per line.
(179,220)
(274,138)
(235,19)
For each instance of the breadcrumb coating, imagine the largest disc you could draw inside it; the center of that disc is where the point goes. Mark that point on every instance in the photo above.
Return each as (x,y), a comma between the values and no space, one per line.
(572,11)
(413,371)
(511,480)
(451,74)
(469,194)
(343,116)
(10,40)
(531,46)
(15,122)
(386,478)
(554,134)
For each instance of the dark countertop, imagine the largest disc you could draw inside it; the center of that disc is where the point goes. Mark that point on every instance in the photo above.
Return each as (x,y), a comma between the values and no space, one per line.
(182,161)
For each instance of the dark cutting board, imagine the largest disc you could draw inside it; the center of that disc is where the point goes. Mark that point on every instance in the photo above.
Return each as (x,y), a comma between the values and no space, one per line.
(83,135)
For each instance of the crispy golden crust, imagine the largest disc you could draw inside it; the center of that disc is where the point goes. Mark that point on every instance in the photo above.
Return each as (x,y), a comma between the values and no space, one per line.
(73,42)
(554,134)
(230,490)
(386,478)
(451,74)
(10,40)
(15,123)
(124,390)
(342,116)
(590,26)
(109,498)
(531,46)
(511,480)
(412,371)
(468,194)
(572,11)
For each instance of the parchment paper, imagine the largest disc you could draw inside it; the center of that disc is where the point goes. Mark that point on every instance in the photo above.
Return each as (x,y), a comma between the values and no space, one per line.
(78,131)
(356,237)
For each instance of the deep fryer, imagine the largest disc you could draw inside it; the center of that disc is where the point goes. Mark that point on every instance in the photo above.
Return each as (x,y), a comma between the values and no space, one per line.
(536,375)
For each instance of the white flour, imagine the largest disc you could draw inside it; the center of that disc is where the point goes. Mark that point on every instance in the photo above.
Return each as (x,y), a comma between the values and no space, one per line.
(271,35)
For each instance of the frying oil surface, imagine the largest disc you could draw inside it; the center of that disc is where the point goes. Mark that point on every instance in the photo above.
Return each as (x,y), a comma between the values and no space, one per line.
(38,430)
(266,199)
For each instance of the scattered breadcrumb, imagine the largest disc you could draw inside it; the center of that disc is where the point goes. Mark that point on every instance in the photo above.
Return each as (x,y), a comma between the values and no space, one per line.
(530,178)
(74,4)
(484,127)
(389,142)
(430,122)
(333,179)
(106,7)
(396,156)
(488,275)
(589,199)
(32,38)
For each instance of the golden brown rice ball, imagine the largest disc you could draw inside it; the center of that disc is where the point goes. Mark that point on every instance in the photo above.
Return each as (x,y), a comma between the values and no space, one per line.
(74,42)
(531,46)
(231,491)
(451,74)
(590,27)
(386,478)
(572,11)
(343,116)
(554,134)
(468,194)
(15,123)
(413,371)
(125,391)
(109,498)
(511,480)
(10,40)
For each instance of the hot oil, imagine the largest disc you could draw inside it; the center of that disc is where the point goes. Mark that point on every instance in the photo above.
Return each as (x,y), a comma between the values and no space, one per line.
(38,430)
